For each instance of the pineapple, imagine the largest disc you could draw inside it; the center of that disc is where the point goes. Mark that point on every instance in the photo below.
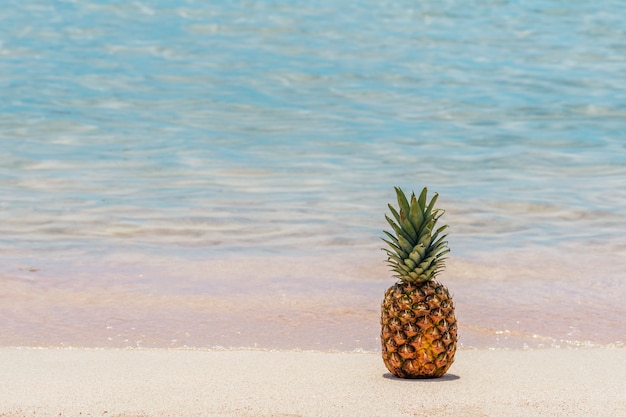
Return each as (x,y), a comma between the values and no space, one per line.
(417,316)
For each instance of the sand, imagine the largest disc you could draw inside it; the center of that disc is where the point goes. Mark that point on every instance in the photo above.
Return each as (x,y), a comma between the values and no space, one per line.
(161,382)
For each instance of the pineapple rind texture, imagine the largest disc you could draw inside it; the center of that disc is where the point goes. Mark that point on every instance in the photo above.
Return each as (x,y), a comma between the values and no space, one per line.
(418,330)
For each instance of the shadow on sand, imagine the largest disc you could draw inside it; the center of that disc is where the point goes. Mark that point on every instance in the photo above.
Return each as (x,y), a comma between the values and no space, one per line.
(445,378)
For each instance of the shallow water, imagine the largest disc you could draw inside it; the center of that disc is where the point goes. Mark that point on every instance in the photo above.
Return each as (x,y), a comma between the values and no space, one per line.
(191,174)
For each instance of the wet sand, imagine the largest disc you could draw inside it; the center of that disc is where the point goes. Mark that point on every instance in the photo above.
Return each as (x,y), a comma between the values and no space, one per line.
(525,299)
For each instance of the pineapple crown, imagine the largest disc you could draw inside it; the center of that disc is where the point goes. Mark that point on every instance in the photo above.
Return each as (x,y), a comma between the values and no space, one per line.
(417,254)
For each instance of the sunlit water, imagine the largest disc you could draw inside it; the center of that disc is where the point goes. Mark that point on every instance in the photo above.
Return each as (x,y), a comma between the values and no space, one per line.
(206,174)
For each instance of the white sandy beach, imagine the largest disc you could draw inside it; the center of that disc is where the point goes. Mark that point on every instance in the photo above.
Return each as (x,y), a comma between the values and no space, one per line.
(160,382)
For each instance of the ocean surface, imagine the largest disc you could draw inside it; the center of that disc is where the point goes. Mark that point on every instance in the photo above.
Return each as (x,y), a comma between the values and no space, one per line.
(215,174)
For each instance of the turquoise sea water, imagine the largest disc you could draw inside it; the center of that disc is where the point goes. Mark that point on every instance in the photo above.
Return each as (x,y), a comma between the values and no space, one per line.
(202,174)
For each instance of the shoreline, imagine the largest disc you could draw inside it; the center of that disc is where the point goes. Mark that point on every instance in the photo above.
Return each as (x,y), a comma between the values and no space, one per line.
(309,302)
(186,382)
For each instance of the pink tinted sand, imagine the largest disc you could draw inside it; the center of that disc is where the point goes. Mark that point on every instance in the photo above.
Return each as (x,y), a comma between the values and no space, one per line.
(513,300)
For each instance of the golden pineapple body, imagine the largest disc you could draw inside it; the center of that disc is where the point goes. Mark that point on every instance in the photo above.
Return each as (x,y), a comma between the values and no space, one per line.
(418,330)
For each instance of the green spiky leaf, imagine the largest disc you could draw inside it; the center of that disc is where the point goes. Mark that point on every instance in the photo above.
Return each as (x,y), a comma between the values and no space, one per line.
(403,203)
(417,245)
